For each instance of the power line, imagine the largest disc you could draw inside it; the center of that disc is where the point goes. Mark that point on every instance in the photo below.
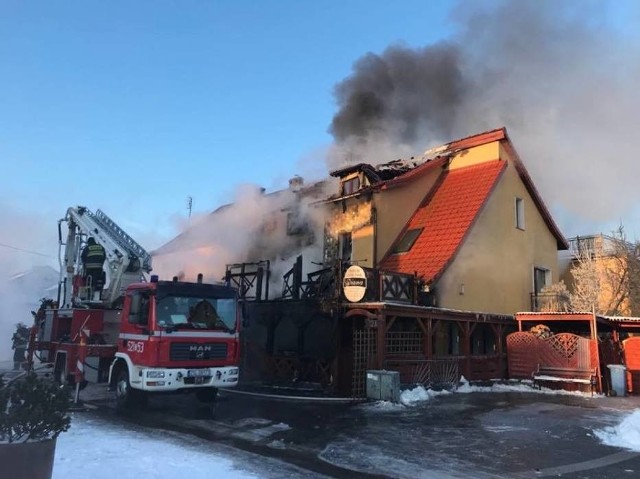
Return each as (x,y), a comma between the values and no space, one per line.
(25,250)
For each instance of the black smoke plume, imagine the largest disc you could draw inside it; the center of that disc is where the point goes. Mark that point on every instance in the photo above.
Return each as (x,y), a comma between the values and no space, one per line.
(561,76)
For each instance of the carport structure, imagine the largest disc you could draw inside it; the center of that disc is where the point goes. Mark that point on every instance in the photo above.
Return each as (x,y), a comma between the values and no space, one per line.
(576,340)
(426,345)
(627,334)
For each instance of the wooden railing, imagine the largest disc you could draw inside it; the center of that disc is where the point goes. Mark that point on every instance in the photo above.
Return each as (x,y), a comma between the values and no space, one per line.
(327,283)
(250,279)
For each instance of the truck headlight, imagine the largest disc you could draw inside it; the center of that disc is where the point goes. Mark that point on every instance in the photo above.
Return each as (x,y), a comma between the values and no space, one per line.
(233,372)
(155,374)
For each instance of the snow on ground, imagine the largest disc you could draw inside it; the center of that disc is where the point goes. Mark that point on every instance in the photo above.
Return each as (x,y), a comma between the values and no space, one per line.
(523,386)
(412,396)
(420,394)
(94,448)
(625,435)
(99,449)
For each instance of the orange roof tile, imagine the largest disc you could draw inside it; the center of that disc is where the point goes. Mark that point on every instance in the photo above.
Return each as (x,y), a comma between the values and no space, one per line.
(446,214)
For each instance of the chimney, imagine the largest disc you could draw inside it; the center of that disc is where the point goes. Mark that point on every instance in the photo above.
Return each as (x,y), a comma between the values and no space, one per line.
(295,183)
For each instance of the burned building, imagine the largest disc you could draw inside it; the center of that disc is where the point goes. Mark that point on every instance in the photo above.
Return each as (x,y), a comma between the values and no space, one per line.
(415,265)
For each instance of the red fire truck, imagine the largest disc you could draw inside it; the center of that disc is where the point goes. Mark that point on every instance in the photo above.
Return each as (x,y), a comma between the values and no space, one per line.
(138,336)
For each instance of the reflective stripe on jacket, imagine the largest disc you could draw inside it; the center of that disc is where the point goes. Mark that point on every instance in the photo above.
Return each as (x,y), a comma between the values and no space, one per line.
(93,256)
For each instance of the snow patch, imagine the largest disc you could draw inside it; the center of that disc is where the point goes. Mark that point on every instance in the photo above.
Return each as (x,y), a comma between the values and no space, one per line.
(262,433)
(418,394)
(625,435)
(117,451)
(523,386)
(277,444)
(252,421)
(410,397)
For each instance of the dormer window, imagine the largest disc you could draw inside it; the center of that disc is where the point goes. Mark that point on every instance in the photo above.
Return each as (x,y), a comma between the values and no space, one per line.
(350,185)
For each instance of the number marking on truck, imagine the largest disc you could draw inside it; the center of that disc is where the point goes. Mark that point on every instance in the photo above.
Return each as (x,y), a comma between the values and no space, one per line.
(135,346)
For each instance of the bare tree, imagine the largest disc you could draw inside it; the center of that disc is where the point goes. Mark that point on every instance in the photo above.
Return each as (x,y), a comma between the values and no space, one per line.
(555,297)
(586,282)
(606,276)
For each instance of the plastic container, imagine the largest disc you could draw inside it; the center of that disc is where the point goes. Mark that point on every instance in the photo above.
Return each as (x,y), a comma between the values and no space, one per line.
(618,379)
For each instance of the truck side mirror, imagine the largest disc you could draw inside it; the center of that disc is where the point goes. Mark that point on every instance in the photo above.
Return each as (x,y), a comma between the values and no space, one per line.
(143,328)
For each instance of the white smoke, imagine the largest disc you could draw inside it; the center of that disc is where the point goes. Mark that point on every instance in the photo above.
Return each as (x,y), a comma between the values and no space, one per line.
(28,242)
(252,227)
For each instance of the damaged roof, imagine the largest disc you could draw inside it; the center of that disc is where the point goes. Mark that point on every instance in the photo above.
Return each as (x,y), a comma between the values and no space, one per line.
(397,168)
(398,172)
(451,207)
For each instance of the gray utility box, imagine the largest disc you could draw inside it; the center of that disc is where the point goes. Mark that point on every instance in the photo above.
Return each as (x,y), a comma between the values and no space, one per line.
(383,385)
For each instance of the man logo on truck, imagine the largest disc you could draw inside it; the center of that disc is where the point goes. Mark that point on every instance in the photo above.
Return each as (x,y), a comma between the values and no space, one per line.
(200,348)
(198,351)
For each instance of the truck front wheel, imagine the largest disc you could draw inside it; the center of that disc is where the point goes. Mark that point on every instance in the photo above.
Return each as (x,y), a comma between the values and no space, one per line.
(126,396)
(207,395)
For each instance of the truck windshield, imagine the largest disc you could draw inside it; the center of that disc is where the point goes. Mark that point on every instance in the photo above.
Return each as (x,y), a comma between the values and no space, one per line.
(183,312)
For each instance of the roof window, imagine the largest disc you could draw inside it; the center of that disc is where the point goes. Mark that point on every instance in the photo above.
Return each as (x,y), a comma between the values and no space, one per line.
(407,241)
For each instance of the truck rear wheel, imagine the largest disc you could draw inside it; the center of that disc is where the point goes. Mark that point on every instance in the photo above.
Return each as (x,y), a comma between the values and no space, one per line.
(207,395)
(126,396)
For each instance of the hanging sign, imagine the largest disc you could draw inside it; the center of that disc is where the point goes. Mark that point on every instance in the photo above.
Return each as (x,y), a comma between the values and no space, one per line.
(354,284)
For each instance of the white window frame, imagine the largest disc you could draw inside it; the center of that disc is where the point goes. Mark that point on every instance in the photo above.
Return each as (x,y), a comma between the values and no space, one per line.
(519,212)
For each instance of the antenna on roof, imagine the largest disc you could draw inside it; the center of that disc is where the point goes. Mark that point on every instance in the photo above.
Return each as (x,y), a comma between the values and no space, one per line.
(189,205)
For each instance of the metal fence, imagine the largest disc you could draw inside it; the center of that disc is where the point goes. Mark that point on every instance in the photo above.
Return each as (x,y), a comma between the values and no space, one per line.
(430,373)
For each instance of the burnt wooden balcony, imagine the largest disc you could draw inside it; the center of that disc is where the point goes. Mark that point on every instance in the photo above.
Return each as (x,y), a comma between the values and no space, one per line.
(326,283)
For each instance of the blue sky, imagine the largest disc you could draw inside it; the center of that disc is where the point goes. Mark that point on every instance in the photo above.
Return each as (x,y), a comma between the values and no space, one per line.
(132,107)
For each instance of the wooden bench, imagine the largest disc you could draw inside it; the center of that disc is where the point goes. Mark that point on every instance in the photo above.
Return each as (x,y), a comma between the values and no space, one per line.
(564,375)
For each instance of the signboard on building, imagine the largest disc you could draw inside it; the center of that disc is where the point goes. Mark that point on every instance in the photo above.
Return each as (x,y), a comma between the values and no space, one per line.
(354,283)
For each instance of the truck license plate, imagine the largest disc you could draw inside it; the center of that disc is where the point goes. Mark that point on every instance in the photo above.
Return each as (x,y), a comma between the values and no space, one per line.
(197,373)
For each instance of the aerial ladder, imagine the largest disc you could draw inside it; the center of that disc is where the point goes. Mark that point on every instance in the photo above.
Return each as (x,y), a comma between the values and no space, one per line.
(126,261)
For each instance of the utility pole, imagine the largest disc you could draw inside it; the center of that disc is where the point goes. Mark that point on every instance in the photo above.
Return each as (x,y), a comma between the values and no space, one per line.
(189,205)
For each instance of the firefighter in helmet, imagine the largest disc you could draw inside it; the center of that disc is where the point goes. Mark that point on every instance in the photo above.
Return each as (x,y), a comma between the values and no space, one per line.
(93,257)
(20,340)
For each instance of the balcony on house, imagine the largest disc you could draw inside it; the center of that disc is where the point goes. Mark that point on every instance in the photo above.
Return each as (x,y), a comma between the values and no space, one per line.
(548,302)
(592,246)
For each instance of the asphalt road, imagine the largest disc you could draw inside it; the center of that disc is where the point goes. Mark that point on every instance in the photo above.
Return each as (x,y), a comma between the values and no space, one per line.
(477,435)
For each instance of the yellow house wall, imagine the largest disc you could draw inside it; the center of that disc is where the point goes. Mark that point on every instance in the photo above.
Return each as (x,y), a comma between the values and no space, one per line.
(396,206)
(495,263)
(478,154)
(362,246)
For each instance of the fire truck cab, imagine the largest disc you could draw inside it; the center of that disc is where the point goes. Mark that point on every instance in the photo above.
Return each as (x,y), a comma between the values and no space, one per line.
(175,336)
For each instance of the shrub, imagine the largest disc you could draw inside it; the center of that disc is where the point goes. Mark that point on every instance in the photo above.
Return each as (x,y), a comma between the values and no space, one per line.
(32,409)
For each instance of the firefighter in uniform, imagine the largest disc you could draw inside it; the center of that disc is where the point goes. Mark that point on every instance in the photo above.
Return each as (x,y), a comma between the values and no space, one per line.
(20,339)
(93,257)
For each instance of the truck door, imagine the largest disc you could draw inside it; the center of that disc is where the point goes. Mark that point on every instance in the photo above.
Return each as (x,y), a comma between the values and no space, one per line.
(135,328)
